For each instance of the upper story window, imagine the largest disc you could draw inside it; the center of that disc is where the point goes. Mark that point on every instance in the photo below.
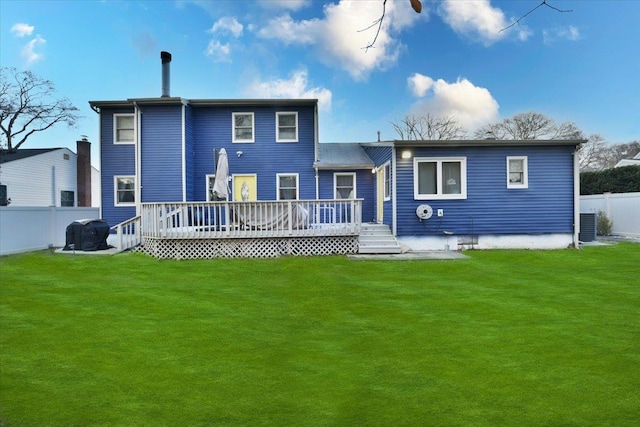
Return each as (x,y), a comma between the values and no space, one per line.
(517,172)
(123,129)
(287,127)
(243,127)
(344,185)
(387,181)
(287,186)
(439,178)
(125,192)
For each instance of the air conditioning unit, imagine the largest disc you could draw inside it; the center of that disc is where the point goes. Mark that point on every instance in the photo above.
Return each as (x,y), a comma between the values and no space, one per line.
(588,227)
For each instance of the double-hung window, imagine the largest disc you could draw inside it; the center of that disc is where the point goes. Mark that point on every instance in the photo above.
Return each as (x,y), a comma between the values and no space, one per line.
(439,178)
(243,127)
(123,129)
(125,190)
(344,185)
(287,186)
(517,172)
(287,127)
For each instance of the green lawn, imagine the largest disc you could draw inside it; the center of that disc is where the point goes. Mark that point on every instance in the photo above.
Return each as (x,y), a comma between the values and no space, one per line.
(521,338)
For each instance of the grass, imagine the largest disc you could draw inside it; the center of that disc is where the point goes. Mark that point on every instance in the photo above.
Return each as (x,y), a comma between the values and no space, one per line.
(504,338)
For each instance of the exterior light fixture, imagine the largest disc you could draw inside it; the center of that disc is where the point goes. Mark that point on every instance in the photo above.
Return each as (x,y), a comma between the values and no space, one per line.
(239,153)
(406,154)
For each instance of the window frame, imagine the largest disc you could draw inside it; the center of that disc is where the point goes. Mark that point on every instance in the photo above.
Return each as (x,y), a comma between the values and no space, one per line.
(525,173)
(208,183)
(386,170)
(287,113)
(115,190)
(117,141)
(62,199)
(335,185)
(233,127)
(280,175)
(440,195)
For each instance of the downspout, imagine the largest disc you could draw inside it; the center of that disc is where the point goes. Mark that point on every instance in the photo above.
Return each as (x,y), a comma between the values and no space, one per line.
(576,199)
(184,155)
(394,211)
(316,149)
(138,154)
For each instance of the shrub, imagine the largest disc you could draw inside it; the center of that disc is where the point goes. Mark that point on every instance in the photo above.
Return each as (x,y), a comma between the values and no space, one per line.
(604,224)
(625,179)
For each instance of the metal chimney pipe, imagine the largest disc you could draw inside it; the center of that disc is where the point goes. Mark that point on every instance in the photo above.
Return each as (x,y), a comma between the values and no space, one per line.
(166,73)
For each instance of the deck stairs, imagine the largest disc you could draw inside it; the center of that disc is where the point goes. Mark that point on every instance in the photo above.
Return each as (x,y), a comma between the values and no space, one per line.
(377,239)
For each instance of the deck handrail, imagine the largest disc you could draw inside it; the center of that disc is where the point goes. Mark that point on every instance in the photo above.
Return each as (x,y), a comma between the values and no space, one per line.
(129,233)
(283,218)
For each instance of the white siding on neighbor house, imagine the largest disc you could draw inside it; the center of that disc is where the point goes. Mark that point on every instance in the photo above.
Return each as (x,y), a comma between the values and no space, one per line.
(38,180)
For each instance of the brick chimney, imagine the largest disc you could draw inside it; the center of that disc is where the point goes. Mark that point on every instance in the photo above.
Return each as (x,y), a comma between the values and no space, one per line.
(84,172)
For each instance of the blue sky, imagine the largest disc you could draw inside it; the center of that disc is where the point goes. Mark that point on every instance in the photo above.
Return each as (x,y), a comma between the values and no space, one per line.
(582,66)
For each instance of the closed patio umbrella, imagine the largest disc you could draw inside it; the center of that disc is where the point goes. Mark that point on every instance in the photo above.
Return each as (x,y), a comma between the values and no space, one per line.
(221,183)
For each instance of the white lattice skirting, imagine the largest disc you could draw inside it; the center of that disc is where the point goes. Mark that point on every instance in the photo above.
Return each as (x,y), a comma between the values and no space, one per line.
(249,248)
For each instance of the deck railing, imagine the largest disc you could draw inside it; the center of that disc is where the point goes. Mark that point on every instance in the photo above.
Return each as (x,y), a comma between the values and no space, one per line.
(205,220)
(128,233)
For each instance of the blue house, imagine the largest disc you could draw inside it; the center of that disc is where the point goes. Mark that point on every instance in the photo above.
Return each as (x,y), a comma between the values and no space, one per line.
(291,194)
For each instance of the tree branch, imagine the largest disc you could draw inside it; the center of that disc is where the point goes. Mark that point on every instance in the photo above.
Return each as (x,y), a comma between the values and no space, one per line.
(543,3)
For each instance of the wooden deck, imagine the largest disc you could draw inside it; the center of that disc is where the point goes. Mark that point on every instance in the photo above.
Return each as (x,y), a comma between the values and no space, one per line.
(244,229)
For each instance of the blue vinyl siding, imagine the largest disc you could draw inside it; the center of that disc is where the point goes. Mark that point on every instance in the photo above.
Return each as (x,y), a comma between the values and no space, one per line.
(114,160)
(189,155)
(264,157)
(161,152)
(546,206)
(365,189)
(380,156)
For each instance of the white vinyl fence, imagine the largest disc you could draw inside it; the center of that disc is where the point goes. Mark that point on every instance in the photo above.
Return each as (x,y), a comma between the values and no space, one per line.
(623,209)
(29,228)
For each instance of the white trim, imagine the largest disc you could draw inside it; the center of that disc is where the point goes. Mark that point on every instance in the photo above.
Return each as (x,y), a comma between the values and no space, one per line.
(233,127)
(439,193)
(278,114)
(184,154)
(278,175)
(335,184)
(115,190)
(115,128)
(525,173)
(386,177)
(209,178)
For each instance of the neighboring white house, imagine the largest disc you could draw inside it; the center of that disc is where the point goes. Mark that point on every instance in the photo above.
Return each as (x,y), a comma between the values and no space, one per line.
(629,162)
(47,177)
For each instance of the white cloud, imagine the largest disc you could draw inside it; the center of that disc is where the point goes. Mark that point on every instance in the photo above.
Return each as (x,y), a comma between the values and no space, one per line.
(218,52)
(28,52)
(471,105)
(295,87)
(340,37)
(478,20)
(419,84)
(227,25)
(285,4)
(22,30)
(570,33)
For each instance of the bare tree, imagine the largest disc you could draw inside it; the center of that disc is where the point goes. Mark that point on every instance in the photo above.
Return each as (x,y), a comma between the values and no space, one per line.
(529,125)
(429,127)
(596,154)
(28,105)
